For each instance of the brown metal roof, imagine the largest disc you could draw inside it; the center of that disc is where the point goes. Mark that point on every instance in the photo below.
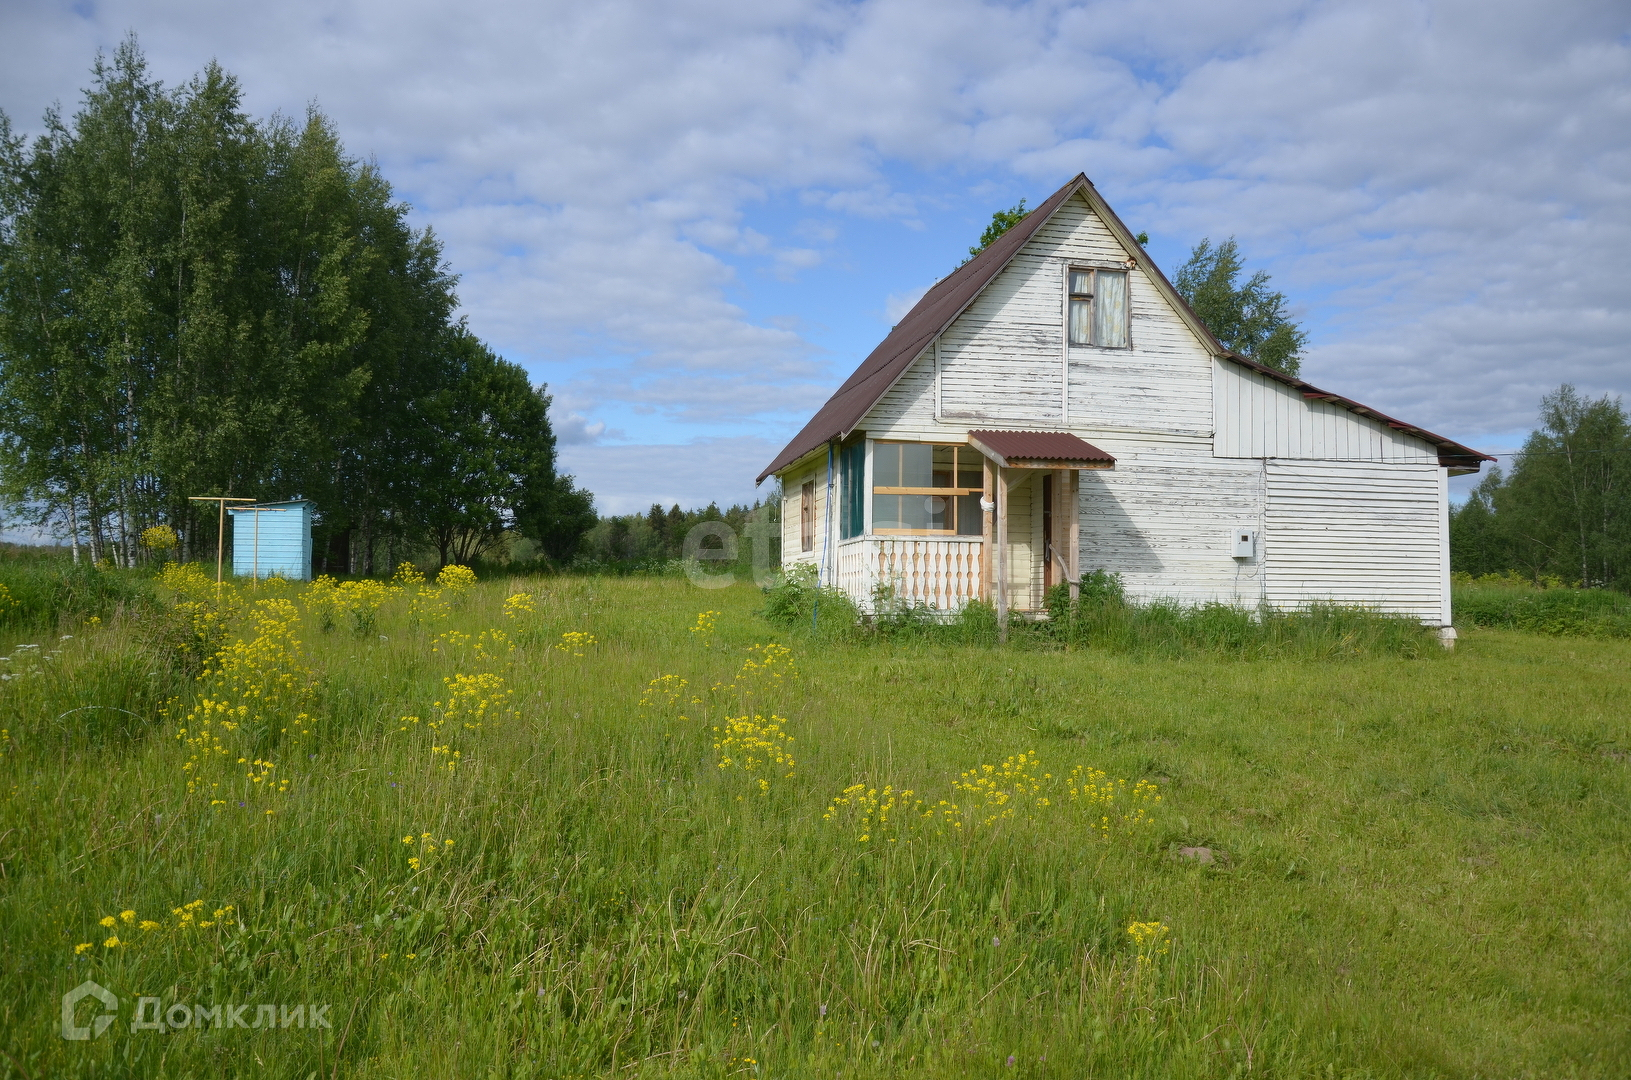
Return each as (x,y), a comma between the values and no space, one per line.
(1039,449)
(952,294)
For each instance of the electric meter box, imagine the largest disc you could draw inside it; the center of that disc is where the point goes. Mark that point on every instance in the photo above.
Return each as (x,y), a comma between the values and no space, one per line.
(1244,542)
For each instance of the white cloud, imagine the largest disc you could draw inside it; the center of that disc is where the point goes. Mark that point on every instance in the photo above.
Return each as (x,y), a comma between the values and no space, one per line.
(1440,186)
(630,478)
(572,429)
(896,305)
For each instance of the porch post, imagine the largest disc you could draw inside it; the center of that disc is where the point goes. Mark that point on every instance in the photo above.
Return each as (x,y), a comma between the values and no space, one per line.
(1002,556)
(988,534)
(1074,533)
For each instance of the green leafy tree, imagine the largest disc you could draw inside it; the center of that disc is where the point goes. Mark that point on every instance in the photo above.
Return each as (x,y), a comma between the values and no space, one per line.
(193,302)
(493,450)
(1001,222)
(1478,542)
(1249,319)
(1564,508)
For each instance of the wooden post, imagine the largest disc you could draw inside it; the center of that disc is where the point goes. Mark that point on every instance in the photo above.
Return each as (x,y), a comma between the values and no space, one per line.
(1073,532)
(1002,557)
(220,526)
(988,535)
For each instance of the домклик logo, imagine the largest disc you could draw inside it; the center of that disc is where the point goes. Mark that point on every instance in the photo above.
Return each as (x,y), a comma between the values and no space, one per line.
(72,998)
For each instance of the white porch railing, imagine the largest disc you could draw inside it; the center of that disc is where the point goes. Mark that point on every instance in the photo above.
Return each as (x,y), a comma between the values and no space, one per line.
(943,574)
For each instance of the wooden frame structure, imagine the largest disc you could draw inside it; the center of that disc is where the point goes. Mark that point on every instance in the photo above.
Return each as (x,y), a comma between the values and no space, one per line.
(220,526)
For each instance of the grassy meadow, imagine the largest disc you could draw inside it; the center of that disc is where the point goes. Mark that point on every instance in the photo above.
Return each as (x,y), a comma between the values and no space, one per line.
(496,837)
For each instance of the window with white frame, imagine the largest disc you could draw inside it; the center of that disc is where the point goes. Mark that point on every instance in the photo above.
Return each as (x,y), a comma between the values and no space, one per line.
(1098,308)
(927,489)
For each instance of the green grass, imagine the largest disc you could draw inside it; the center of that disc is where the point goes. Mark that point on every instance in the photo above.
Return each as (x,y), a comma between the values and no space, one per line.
(42,587)
(1561,612)
(1421,865)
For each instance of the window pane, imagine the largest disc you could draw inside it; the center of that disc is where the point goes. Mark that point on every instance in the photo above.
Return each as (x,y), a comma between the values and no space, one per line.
(886,512)
(851,477)
(886,464)
(970,520)
(1081,283)
(945,466)
(914,511)
(1080,331)
(916,465)
(1110,310)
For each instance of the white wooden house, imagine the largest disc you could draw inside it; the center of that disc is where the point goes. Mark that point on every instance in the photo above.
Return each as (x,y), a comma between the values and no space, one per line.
(1054,406)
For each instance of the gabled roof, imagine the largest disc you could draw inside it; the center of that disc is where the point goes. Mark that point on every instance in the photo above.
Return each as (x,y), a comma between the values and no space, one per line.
(952,294)
(932,314)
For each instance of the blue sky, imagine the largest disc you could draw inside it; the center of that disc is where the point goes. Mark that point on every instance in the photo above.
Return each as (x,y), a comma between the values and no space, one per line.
(692,219)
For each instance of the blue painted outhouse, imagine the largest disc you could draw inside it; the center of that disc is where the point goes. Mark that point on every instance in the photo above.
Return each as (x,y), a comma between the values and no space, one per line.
(272,538)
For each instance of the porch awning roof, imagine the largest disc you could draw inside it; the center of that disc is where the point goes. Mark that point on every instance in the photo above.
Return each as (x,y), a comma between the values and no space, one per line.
(1039,450)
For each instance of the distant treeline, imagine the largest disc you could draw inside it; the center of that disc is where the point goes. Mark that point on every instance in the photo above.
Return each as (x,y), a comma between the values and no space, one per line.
(651,541)
(196,302)
(1562,511)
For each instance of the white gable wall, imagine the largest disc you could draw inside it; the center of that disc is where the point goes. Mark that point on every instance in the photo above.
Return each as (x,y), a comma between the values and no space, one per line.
(1163,517)
(1002,363)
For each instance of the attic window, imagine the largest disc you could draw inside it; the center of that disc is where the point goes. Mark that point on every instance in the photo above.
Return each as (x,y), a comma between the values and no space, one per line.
(927,489)
(1098,308)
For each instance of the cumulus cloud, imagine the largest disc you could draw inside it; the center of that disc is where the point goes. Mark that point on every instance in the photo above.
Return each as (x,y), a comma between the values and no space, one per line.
(1438,186)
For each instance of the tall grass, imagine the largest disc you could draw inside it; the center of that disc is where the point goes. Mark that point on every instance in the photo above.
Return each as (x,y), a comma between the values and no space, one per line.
(1416,867)
(1102,618)
(1561,612)
(37,589)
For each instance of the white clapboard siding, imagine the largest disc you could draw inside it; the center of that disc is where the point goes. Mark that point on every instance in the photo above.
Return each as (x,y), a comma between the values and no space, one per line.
(792,493)
(1164,520)
(943,574)
(1356,533)
(1263,418)
(1036,583)
(1161,383)
(906,410)
(1001,361)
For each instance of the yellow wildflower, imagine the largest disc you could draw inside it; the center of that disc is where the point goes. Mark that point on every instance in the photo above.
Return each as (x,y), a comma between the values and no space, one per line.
(1150,939)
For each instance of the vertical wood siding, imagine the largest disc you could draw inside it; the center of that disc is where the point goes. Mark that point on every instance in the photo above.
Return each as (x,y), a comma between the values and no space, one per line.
(1356,533)
(1262,418)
